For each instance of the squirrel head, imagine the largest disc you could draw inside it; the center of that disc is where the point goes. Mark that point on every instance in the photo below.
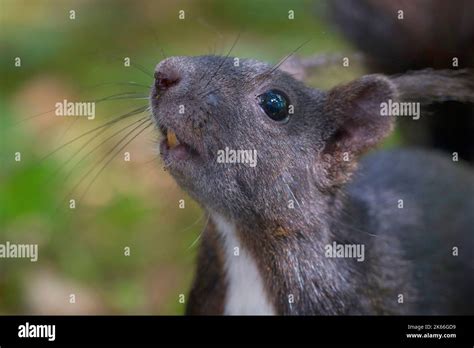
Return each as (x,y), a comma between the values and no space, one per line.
(243,138)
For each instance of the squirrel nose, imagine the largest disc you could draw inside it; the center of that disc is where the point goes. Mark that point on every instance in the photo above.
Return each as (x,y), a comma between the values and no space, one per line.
(166,78)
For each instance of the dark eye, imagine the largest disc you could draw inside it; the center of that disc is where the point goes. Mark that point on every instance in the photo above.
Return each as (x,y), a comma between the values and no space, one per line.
(275,104)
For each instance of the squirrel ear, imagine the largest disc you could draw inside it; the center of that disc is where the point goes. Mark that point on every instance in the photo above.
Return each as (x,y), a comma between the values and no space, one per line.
(356,110)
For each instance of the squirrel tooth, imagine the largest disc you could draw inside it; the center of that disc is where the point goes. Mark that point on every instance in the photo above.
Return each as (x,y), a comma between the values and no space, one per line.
(172,139)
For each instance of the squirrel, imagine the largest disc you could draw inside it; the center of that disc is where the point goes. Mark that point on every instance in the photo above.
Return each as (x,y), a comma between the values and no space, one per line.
(396,36)
(317,226)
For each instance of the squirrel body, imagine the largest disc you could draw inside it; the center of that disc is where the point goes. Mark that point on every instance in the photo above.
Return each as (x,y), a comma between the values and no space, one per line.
(409,250)
(317,226)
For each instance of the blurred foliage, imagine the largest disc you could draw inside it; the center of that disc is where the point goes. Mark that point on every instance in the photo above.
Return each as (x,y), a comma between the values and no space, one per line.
(132,204)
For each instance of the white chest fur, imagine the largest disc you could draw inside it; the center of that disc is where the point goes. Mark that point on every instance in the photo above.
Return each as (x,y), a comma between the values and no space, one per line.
(245,293)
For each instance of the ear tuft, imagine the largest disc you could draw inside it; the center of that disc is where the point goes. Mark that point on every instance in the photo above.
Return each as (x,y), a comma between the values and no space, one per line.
(355,109)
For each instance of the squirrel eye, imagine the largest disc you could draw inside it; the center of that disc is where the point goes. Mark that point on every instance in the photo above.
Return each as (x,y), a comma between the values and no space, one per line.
(275,104)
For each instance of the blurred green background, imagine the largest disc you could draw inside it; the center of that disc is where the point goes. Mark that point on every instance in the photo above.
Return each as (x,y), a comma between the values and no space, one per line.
(131,204)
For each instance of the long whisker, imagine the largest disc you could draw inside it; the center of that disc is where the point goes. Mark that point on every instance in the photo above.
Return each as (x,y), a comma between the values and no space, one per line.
(112,157)
(223,61)
(136,66)
(156,39)
(68,128)
(102,159)
(268,73)
(202,231)
(94,149)
(211,91)
(129,114)
(120,96)
(126,83)
(123,95)
(142,69)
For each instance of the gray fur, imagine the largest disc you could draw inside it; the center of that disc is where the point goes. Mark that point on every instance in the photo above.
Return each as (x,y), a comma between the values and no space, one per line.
(408,251)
